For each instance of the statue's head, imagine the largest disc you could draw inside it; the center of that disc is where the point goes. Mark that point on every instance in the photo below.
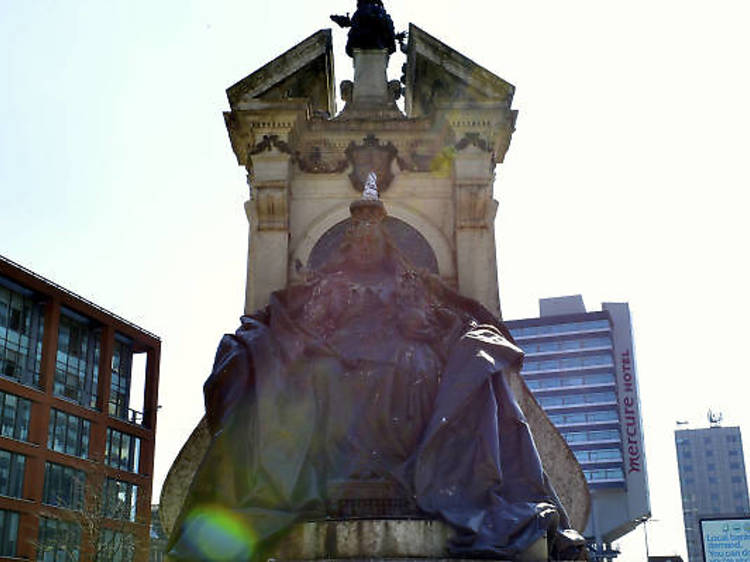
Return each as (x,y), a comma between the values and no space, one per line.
(365,239)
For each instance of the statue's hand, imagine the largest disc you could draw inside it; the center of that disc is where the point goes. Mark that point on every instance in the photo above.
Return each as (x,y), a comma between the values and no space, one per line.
(342,21)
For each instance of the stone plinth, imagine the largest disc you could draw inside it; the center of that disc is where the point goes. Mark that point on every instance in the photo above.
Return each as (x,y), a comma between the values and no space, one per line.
(381,539)
(370,81)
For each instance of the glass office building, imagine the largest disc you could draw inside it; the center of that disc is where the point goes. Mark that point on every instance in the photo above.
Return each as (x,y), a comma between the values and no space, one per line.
(580,367)
(72,447)
(713,483)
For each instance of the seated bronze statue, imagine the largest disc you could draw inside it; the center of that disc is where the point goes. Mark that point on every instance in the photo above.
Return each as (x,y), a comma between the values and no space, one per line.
(369,377)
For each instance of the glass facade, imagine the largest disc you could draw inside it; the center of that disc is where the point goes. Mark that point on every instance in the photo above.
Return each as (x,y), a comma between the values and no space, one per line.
(571,380)
(119,393)
(21,335)
(561,328)
(584,418)
(69,371)
(12,468)
(15,415)
(77,362)
(592,436)
(63,486)
(570,368)
(58,540)
(582,399)
(8,532)
(119,499)
(115,546)
(123,450)
(578,362)
(68,434)
(598,455)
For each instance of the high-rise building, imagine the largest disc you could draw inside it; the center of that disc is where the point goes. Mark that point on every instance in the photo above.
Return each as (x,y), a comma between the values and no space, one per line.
(76,457)
(581,368)
(712,479)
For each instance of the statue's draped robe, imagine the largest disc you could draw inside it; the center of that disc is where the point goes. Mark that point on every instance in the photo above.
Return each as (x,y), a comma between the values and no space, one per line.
(341,380)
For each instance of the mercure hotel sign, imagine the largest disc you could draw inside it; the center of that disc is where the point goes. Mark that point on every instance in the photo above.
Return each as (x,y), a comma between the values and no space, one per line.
(630,410)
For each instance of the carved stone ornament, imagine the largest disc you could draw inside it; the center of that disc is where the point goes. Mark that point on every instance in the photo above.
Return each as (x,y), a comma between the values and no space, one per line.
(271,204)
(314,162)
(368,157)
(267,143)
(473,139)
(474,206)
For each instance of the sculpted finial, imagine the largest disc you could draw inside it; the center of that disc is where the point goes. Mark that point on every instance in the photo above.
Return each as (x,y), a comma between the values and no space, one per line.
(370,192)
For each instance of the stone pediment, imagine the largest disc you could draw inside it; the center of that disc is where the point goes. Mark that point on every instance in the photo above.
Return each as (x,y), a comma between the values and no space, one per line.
(437,75)
(304,72)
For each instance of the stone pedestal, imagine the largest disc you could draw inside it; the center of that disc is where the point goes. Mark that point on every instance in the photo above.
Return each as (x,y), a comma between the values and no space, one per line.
(370,81)
(376,539)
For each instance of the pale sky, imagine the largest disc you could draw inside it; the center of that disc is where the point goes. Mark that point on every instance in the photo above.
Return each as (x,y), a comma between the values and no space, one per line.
(626,179)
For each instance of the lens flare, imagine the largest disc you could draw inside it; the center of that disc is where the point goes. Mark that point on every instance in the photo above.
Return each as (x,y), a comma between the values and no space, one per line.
(215,533)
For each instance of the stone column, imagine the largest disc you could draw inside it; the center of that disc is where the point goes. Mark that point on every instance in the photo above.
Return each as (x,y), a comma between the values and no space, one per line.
(476,260)
(268,215)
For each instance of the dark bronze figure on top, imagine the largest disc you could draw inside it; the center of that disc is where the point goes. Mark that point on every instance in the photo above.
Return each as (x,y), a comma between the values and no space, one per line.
(371,28)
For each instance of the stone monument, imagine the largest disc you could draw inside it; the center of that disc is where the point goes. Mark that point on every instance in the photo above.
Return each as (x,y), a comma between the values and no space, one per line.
(370,405)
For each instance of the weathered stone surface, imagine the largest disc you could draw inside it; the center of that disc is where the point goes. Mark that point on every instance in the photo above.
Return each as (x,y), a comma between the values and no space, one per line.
(559,462)
(382,539)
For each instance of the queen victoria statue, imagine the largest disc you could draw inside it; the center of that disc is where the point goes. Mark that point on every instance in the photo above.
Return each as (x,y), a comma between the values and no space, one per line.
(369,379)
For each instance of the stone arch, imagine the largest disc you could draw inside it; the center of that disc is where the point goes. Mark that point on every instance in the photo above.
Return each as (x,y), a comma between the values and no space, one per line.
(434,238)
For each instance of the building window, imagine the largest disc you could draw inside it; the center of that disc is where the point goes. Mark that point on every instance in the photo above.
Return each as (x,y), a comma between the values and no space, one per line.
(119,499)
(562,328)
(711,467)
(115,546)
(21,336)
(77,364)
(736,479)
(731,438)
(596,360)
(598,455)
(583,417)
(58,540)
(123,450)
(604,474)
(712,480)
(15,413)
(68,434)
(561,345)
(8,532)
(12,467)
(734,453)
(119,394)
(586,436)
(734,465)
(63,486)
(709,453)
